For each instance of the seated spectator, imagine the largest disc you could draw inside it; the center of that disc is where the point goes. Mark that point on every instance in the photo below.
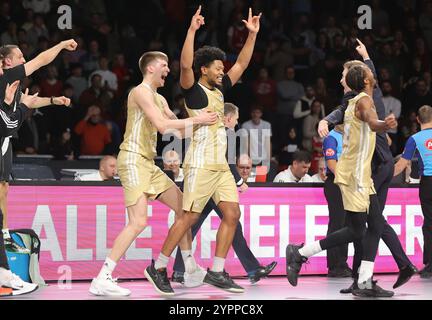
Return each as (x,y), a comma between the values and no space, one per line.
(109,79)
(289,146)
(62,146)
(321,175)
(297,172)
(171,162)
(107,170)
(51,86)
(244,168)
(310,124)
(93,132)
(96,94)
(77,81)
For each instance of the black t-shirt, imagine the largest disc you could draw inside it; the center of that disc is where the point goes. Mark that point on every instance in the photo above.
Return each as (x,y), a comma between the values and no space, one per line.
(10,76)
(196,98)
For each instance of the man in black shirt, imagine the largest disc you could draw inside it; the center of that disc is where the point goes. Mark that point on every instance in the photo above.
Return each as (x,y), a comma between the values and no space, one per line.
(382,174)
(11,284)
(16,68)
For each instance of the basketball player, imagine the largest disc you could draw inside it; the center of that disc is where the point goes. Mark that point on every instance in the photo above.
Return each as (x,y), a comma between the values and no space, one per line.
(249,262)
(382,171)
(16,68)
(421,142)
(206,170)
(354,178)
(142,180)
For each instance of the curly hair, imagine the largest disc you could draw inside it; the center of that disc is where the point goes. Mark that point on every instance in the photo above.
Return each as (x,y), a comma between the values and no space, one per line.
(205,56)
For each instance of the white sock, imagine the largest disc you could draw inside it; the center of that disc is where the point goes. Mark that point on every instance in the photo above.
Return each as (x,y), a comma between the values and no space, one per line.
(6,234)
(310,249)
(185,254)
(107,268)
(365,271)
(218,264)
(189,261)
(162,261)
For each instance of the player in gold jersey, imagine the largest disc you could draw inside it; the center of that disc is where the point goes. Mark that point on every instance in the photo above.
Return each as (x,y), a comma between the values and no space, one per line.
(142,180)
(354,178)
(207,173)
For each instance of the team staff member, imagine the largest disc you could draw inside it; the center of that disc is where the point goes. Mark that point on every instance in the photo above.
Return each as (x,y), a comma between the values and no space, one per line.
(422,143)
(336,257)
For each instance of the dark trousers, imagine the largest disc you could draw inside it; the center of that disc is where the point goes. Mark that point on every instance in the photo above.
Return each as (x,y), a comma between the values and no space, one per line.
(336,257)
(355,230)
(425,194)
(240,246)
(3,259)
(382,176)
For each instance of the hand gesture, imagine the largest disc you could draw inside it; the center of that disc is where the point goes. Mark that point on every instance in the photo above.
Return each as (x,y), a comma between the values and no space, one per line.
(62,101)
(323,130)
(197,20)
(10,92)
(29,100)
(207,118)
(390,121)
(69,45)
(361,49)
(253,22)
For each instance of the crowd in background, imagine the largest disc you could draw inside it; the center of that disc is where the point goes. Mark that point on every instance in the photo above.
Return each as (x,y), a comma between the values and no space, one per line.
(292,81)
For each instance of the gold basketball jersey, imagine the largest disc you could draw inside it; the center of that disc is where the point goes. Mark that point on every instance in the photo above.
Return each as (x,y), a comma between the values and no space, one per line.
(140,134)
(354,165)
(208,143)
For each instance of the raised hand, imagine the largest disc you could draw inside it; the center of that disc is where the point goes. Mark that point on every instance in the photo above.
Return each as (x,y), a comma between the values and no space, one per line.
(61,101)
(253,22)
(361,49)
(197,20)
(69,45)
(323,130)
(10,92)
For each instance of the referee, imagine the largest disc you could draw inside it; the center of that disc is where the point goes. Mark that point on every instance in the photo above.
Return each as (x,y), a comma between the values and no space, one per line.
(421,142)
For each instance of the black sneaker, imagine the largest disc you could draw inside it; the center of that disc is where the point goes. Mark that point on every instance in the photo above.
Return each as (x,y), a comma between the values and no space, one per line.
(405,275)
(178,277)
(12,246)
(223,281)
(159,279)
(294,263)
(262,272)
(370,289)
(350,288)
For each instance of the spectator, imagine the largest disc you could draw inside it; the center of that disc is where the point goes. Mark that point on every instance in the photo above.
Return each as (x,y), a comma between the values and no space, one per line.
(38,30)
(321,176)
(121,70)
(264,89)
(109,79)
(77,81)
(297,172)
(51,86)
(107,170)
(237,34)
(90,60)
(310,124)
(289,92)
(420,97)
(289,146)
(93,132)
(278,56)
(244,168)
(10,35)
(259,137)
(38,6)
(392,105)
(62,146)
(96,94)
(171,162)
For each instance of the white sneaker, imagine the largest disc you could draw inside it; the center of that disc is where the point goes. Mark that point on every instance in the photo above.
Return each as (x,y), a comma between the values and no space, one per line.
(196,278)
(14,282)
(107,287)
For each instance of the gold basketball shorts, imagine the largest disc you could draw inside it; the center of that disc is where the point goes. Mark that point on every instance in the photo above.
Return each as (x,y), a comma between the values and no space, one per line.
(201,184)
(356,198)
(139,175)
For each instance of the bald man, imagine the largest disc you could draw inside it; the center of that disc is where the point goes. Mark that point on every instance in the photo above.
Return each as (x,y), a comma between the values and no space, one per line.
(107,170)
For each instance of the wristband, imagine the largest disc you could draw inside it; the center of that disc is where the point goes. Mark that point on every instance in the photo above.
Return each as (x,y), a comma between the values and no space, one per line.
(52,100)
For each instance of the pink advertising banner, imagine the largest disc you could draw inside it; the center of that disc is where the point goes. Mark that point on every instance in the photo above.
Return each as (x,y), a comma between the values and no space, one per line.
(78,224)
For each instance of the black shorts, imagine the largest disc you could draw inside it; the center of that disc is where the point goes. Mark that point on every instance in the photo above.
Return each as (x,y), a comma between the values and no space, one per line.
(6,164)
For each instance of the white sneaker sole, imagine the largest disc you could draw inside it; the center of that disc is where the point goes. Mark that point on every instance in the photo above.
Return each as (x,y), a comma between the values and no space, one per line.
(25,290)
(194,279)
(154,285)
(96,291)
